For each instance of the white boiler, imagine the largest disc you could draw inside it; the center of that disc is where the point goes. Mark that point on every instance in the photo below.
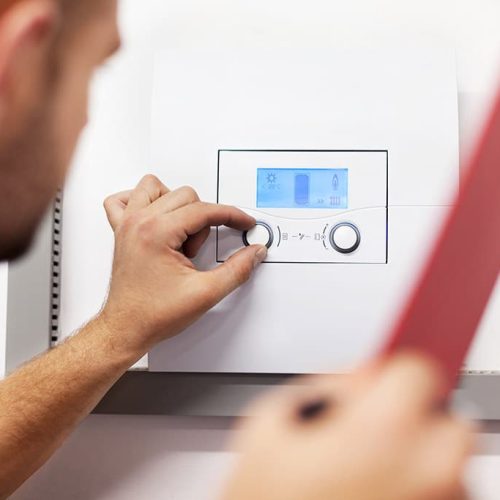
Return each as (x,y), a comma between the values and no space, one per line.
(347,159)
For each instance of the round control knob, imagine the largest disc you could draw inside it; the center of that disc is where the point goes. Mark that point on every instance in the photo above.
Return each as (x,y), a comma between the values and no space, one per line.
(345,238)
(261,234)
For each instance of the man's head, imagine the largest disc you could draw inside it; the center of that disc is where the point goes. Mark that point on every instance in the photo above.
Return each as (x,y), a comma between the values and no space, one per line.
(49,50)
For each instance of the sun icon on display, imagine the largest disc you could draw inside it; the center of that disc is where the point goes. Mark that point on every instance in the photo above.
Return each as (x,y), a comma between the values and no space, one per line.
(271,178)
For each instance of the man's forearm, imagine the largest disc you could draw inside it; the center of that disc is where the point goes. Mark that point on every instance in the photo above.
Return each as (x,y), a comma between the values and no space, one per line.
(43,401)
(155,293)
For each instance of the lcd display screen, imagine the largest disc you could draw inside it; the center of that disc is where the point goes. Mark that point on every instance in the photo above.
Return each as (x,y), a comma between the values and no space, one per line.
(302,188)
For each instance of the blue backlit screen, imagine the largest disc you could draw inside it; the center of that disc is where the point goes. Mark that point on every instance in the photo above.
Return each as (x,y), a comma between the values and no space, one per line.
(302,188)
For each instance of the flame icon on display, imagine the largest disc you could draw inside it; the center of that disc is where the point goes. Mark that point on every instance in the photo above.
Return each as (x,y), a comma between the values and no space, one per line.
(335,182)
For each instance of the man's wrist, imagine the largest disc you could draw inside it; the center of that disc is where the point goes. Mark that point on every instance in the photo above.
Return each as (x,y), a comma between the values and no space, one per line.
(118,341)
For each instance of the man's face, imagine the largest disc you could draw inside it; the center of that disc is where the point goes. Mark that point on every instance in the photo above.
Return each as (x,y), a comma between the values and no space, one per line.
(45,112)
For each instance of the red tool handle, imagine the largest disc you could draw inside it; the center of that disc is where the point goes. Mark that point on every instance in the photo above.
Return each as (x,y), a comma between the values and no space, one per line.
(444,312)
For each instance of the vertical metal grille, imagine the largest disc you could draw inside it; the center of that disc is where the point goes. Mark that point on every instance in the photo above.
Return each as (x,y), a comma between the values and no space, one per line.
(55,281)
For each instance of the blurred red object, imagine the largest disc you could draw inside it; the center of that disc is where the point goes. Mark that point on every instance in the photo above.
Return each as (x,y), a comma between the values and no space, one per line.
(444,312)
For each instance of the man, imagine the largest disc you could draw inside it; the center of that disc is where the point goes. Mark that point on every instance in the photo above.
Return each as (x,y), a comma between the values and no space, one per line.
(362,437)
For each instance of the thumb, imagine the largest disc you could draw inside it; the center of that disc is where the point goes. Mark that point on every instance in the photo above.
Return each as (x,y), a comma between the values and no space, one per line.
(237,270)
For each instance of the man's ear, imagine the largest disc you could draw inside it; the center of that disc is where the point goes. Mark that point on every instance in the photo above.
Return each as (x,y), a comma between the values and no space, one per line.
(25,28)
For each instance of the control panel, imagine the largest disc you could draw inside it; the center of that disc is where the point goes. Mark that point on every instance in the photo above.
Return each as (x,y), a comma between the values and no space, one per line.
(310,206)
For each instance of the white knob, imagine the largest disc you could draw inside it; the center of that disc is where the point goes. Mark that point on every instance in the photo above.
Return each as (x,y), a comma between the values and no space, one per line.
(345,238)
(261,234)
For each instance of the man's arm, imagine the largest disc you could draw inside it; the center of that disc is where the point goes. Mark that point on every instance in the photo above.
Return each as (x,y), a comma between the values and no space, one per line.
(155,293)
(41,403)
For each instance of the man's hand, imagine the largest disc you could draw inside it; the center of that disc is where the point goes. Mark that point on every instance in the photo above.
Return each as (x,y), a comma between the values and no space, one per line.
(377,435)
(156,292)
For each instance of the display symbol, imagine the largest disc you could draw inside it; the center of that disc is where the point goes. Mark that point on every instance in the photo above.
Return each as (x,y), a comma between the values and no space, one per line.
(335,182)
(302,189)
(271,178)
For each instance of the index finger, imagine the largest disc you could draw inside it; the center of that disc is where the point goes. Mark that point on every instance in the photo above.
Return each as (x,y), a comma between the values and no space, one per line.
(199,215)
(115,206)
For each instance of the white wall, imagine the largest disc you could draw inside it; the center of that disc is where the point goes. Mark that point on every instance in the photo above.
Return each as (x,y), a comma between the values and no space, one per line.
(121,458)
